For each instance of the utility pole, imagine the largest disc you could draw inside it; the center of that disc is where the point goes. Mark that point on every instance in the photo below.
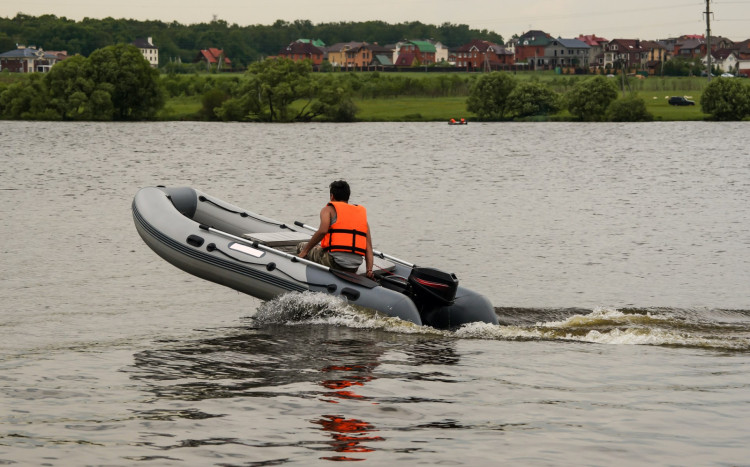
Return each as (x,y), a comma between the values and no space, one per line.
(708,37)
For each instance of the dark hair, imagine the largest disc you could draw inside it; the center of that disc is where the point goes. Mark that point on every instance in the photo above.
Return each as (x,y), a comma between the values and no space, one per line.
(340,191)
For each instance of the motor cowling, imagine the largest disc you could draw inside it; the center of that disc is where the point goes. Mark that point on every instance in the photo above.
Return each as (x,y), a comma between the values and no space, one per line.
(432,286)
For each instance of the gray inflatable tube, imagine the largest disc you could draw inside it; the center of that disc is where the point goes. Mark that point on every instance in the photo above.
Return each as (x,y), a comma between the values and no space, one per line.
(228,245)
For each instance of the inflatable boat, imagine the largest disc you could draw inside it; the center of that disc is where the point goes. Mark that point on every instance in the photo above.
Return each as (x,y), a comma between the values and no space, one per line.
(256,255)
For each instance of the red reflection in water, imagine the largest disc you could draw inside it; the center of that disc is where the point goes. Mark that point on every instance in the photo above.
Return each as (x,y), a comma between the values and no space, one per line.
(342,388)
(347,434)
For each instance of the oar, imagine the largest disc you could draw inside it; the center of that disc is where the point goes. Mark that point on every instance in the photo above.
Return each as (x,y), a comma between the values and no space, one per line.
(347,276)
(265,248)
(375,252)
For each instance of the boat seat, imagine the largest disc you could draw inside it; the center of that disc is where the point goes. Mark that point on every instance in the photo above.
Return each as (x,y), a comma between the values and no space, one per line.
(275,239)
(378,264)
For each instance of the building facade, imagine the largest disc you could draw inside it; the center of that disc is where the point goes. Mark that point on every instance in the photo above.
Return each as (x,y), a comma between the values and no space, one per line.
(149,50)
(29,60)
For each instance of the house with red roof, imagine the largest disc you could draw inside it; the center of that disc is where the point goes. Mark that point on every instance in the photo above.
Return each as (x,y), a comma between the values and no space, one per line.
(214,57)
(482,55)
(596,48)
(627,53)
(298,51)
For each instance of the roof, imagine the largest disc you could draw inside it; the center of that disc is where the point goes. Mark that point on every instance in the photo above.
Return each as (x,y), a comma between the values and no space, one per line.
(383,60)
(301,48)
(592,39)
(144,44)
(25,52)
(722,54)
(632,44)
(342,46)
(211,55)
(691,43)
(406,59)
(483,46)
(573,43)
(424,46)
(316,42)
(652,45)
(534,37)
(380,49)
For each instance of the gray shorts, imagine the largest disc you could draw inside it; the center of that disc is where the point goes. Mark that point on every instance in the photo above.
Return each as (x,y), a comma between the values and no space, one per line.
(320,256)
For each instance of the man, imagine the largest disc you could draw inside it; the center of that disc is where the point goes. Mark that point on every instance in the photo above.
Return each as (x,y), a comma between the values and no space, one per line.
(344,234)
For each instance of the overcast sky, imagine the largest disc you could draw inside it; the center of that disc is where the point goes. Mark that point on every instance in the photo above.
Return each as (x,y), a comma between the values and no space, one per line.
(636,19)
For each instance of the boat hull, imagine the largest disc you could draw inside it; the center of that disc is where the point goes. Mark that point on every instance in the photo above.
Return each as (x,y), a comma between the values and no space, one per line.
(174,223)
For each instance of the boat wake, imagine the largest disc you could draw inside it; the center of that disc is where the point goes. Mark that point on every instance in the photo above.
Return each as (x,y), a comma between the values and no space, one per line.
(723,330)
(310,308)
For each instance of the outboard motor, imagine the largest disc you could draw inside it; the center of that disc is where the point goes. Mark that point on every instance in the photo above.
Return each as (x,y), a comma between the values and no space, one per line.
(432,287)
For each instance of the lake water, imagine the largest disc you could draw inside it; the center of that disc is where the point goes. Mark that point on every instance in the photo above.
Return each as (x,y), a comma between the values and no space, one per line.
(617,257)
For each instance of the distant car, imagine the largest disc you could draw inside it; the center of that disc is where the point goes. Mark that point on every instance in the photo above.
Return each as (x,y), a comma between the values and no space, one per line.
(678,100)
(727,75)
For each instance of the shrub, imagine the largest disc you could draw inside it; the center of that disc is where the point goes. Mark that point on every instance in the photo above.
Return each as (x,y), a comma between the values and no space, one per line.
(726,99)
(488,97)
(629,109)
(589,99)
(532,99)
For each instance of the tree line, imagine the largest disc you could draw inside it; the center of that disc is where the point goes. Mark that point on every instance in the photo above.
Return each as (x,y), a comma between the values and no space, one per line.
(242,44)
(117,83)
(500,96)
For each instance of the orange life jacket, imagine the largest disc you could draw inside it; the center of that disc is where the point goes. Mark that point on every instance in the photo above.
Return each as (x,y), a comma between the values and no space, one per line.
(349,232)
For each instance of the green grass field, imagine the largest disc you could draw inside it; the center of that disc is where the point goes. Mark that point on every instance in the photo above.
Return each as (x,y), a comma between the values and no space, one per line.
(423,109)
(406,109)
(180,108)
(656,103)
(654,91)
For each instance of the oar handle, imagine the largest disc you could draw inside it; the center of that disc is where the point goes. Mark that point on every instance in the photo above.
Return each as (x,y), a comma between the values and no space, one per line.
(375,252)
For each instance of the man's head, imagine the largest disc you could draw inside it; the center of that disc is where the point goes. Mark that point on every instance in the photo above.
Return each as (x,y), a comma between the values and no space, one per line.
(340,191)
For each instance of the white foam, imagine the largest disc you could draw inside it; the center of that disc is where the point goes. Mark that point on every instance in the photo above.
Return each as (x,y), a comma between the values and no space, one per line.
(311,308)
(603,325)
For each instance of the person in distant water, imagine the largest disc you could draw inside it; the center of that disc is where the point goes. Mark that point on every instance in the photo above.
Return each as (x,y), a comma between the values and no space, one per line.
(344,234)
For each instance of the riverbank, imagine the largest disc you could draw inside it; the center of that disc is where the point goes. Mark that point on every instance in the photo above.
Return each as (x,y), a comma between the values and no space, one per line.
(411,96)
(428,109)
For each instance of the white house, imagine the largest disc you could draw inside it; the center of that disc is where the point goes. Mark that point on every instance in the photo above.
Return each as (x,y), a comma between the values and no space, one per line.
(149,50)
(724,59)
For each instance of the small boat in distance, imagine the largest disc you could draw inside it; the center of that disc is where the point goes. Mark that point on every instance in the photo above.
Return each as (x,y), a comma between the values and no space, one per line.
(256,255)
(453,121)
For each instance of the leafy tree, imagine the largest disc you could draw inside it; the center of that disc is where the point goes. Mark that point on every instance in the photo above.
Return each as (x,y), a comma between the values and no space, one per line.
(272,87)
(629,109)
(726,99)
(210,101)
(590,98)
(27,100)
(683,66)
(75,95)
(136,91)
(334,101)
(488,96)
(529,99)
